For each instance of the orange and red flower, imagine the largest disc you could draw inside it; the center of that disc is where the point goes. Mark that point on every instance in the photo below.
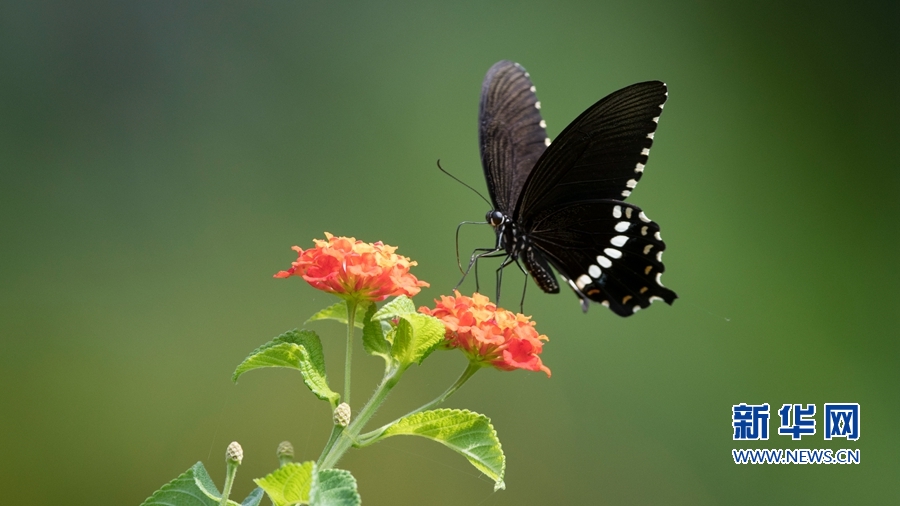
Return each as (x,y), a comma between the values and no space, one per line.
(355,270)
(488,334)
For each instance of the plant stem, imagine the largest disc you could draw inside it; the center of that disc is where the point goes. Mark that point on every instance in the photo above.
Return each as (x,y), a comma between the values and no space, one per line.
(348,436)
(335,434)
(348,361)
(471,369)
(230,471)
(371,437)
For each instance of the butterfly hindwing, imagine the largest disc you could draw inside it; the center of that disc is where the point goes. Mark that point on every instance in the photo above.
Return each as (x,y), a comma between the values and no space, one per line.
(607,250)
(600,155)
(512,135)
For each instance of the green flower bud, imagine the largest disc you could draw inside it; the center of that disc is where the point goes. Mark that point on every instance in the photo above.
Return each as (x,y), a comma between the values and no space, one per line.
(342,414)
(234,453)
(285,452)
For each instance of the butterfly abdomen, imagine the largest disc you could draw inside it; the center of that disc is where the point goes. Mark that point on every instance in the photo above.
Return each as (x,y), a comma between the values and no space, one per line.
(540,270)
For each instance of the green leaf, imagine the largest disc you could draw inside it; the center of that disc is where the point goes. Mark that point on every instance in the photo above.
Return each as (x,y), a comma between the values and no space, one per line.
(195,488)
(417,336)
(374,340)
(254,498)
(334,487)
(470,434)
(401,305)
(289,484)
(302,484)
(295,349)
(339,312)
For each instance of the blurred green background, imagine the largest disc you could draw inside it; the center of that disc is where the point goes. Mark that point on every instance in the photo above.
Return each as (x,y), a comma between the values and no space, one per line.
(159,159)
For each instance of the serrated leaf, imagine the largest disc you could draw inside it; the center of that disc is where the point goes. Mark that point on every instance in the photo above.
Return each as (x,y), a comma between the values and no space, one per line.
(470,434)
(373,337)
(401,305)
(295,349)
(338,312)
(289,484)
(334,487)
(194,488)
(417,336)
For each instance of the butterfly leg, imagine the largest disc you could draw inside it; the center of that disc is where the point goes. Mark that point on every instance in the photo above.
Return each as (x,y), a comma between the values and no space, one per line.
(485,252)
(524,287)
(506,261)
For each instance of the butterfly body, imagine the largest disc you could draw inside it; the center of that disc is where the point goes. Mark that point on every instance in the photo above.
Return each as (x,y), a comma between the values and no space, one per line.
(517,245)
(560,205)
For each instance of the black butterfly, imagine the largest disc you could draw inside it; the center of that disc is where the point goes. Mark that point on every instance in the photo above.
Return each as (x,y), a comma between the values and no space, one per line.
(561,204)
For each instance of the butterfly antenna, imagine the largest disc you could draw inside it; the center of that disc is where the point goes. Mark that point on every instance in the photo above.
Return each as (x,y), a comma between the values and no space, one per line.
(458,180)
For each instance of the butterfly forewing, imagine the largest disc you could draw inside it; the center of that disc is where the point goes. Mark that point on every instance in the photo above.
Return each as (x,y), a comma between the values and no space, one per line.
(600,155)
(512,135)
(609,251)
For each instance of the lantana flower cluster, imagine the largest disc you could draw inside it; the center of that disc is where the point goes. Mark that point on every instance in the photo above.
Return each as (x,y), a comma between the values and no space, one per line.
(360,271)
(355,270)
(490,335)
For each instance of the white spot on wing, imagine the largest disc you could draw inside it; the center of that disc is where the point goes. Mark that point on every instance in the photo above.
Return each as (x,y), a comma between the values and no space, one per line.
(547,141)
(594,271)
(644,217)
(656,119)
(533,89)
(617,212)
(631,183)
(658,281)
(582,281)
(619,241)
(654,298)
(643,230)
(650,135)
(543,124)
(537,105)
(603,261)
(635,309)
(639,167)
(628,211)
(625,193)
(605,303)
(645,152)
(647,248)
(658,237)
(622,226)
(613,253)
(659,256)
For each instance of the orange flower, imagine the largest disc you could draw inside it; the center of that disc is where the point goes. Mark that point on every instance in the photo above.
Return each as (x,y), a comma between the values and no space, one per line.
(354,270)
(488,334)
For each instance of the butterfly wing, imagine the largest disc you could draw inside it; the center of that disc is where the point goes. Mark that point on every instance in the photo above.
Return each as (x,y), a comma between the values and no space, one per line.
(511,133)
(600,155)
(607,250)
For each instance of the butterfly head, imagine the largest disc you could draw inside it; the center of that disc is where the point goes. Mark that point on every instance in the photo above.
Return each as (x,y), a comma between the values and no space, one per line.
(495,218)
